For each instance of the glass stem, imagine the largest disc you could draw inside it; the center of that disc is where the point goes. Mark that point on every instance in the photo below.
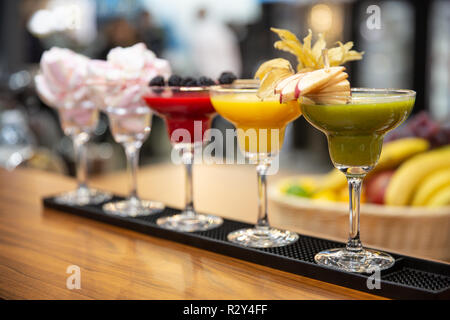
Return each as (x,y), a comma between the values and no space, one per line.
(79,145)
(132,153)
(188,160)
(354,188)
(263,219)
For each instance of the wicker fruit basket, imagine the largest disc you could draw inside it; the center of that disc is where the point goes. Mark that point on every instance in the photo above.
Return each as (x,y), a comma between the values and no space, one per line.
(416,231)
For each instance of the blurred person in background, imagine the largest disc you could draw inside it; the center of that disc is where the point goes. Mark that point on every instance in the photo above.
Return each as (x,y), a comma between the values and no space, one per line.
(214,47)
(118,33)
(151,34)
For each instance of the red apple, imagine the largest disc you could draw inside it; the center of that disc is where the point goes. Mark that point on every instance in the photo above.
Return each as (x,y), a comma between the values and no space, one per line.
(376,186)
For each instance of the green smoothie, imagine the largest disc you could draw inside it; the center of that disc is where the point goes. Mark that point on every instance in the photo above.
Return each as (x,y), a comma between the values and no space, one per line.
(356,130)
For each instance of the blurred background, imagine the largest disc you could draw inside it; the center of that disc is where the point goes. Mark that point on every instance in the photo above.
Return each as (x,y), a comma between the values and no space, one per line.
(411,50)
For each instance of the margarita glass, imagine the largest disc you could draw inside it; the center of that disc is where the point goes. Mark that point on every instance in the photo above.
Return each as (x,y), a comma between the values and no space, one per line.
(130,126)
(188,113)
(355,133)
(79,123)
(260,131)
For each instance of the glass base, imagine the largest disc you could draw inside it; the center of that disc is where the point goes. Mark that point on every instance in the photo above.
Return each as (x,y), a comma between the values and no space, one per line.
(188,222)
(133,208)
(262,237)
(83,197)
(364,261)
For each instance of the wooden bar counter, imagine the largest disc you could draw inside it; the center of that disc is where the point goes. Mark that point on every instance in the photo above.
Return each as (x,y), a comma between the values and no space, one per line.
(37,245)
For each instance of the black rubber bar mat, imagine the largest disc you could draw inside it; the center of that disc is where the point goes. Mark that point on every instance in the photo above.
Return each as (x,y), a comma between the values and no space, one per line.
(409,278)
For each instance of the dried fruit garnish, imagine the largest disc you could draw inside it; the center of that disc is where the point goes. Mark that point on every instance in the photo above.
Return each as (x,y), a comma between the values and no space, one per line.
(271,73)
(277,75)
(311,57)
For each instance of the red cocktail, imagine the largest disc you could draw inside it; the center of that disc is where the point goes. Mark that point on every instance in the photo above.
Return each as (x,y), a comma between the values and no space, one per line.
(187,108)
(187,112)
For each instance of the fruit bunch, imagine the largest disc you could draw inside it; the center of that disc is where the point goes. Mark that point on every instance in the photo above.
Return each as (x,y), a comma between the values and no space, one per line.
(177,81)
(319,76)
(411,171)
(421,125)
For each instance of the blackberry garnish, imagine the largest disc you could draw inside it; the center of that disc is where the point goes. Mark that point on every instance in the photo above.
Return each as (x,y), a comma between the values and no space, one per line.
(158,81)
(227,78)
(175,81)
(189,82)
(205,81)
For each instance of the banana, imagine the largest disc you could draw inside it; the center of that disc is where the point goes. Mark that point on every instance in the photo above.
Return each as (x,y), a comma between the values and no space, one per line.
(393,153)
(411,173)
(333,180)
(431,186)
(327,195)
(440,198)
(397,151)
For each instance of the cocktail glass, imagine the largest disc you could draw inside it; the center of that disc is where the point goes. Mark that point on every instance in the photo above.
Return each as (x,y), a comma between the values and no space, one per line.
(130,127)
(184,109)
(79,122)
(355,133)
(260,131)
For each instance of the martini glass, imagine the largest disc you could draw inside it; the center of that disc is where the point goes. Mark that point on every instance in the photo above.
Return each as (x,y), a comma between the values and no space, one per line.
(131,127)
(187,112)
(79,122)
(355,133)
(260,131)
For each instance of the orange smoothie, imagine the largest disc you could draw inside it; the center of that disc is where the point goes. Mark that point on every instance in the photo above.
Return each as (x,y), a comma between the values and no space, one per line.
(260,124)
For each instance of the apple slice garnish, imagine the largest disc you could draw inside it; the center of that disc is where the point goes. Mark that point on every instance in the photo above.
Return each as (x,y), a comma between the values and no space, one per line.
(343,85)
(316,79)
(329,94)
(328,85)
(331,99)
(283,83)
(338,78)
(288,91)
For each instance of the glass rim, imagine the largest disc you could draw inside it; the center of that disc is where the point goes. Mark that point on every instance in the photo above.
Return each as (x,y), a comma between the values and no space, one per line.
(239,87)
(391,93)
(368,95)
(182,88)
(241,83)
(138,109)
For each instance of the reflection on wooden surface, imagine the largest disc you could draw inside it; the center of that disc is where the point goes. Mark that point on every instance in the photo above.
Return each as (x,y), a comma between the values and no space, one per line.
(37,245)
